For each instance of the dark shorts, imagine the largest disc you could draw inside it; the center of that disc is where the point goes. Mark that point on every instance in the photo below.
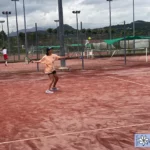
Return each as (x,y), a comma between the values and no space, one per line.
(54,72)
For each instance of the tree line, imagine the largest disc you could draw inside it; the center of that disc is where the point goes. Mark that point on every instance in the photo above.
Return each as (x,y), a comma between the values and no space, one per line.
(50,36)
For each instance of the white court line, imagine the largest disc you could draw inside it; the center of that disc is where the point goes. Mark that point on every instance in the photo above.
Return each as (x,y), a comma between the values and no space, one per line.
(86,131)
(139,73)
(129,81)
(122,73)
(72,133)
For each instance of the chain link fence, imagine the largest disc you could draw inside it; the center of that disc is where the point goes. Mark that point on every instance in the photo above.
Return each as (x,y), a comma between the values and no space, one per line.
(73,45)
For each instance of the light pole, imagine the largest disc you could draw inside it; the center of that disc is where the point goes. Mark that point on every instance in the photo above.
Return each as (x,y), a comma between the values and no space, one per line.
(25,28)
(57,27)
(7,13)
(77,12)
(17,29)
(125,59)
(133,27)
(109,18)
(61,34)
(82,48)
(133,20)
(2,21)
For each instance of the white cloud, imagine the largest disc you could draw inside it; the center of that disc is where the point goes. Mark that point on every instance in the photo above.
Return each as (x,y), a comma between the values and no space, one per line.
(94,13)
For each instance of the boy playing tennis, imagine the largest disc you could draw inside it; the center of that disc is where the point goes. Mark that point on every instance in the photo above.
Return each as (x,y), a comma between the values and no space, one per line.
(49,60)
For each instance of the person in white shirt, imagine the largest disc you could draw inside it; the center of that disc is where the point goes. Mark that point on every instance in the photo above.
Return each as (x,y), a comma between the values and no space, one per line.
(4,52)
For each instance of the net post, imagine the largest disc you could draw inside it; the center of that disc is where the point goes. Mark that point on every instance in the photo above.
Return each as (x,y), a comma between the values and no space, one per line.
(82,47)
(37,52)
(146,55)
(125,59)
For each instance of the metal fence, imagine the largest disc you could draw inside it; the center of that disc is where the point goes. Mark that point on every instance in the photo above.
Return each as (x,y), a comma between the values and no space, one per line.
(47,39)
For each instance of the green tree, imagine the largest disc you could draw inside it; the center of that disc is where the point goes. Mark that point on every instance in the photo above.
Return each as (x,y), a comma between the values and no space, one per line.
(83,30)
(32,38)
(106,31)
(72,31)
(67,32)
(88,31)
(54,31)
(50,30)
(113,32)
(94,31)
(22,37)
(122,33)
(100,31)
(3,38)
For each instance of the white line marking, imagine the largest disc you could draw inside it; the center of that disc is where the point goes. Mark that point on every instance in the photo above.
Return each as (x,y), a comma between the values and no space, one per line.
(127,74)
(72,133)
(129,81)
(122,73)
(86,131)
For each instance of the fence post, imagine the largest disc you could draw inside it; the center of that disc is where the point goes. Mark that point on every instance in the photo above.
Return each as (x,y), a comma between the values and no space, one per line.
(37,52)
(82,57)
(146,54)
(124,42)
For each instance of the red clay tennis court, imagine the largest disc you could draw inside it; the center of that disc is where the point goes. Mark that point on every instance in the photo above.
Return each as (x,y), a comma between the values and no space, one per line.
(100,108)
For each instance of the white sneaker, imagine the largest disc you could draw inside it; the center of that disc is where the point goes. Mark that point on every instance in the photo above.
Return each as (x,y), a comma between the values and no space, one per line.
(55,89)
(49,92)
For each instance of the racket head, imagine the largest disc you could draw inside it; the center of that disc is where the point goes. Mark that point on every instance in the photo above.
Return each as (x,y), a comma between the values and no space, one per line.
(28,60)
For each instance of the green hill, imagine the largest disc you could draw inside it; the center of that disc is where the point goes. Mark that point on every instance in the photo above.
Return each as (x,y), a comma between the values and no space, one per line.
(67,27)
(141,28)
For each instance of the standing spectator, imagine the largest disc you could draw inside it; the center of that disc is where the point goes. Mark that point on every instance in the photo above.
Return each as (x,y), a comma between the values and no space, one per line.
(4,52)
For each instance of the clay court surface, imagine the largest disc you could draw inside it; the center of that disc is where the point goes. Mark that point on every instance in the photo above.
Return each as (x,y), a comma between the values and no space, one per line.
(100,108)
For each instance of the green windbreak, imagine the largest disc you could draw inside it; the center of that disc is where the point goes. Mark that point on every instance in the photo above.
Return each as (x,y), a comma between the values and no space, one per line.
(44,47)
(109,42)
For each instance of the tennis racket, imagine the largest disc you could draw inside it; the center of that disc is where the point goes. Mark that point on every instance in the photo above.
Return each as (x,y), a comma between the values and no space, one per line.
(28,60)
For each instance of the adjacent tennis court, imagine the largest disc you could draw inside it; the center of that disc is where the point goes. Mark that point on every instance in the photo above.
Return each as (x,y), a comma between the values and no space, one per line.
(99,108)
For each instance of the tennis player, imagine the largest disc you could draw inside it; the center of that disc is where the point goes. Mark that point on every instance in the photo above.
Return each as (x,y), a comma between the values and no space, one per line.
(50,70)
(4,52)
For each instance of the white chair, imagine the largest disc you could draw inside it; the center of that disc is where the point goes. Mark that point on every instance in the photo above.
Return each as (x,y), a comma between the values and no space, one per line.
(90,54)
